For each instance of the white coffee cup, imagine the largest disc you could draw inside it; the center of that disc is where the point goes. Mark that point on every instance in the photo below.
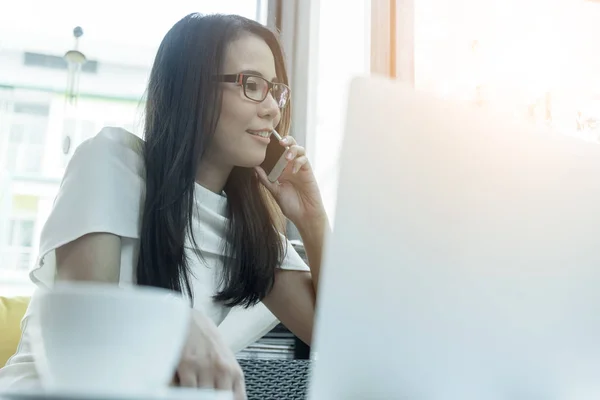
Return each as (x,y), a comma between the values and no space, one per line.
(102,339)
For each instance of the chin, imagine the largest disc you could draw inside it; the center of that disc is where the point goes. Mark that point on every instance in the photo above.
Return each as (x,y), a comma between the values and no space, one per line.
(251,161)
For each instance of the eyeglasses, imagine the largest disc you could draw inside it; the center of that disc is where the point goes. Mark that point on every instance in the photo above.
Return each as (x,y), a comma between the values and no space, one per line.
(257,88)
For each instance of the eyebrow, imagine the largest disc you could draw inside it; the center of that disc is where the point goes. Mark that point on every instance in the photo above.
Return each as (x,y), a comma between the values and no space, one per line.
(253,72)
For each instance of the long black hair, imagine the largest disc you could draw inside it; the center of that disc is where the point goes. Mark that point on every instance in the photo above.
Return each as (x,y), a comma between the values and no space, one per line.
(182,110)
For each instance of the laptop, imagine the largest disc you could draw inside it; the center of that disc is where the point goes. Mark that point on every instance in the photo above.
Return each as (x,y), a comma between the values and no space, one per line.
(465,259)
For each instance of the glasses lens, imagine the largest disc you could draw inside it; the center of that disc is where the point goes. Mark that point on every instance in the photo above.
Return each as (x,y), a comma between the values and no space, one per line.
(281,94)
(256,88)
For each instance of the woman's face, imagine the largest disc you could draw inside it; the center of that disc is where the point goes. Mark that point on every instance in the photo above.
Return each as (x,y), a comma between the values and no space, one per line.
(238,141)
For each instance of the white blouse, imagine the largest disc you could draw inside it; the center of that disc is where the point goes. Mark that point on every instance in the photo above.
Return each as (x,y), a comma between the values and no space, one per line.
(103,191)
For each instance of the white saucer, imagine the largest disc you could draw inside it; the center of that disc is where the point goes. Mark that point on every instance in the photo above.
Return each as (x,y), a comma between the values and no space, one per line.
(174,393)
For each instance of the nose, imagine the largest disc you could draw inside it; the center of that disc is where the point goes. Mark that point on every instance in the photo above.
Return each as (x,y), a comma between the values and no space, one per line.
(269,107)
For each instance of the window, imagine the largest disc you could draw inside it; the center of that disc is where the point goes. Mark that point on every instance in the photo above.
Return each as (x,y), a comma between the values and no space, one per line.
(343,53)
(536,60)
(34,119)
(27,133)
(17,253)
(78,131)
(17,256)
(21,232)
(17,134)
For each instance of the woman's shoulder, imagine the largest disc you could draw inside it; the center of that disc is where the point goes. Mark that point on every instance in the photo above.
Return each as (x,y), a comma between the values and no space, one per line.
(120,136)
(112,141)
(106,173)
(111,151)
(101,190)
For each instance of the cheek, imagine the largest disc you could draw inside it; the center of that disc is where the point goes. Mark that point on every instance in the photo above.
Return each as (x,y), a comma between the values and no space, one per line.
(236,114)
(277,119)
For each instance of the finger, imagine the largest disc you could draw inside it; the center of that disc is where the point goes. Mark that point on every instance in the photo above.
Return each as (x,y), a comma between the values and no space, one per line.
(206,378)
(187,378)
(262,176)
(300,150)
(299,163)
(294,151)
(291,153)
(239,389)
(224,381)
(287,141)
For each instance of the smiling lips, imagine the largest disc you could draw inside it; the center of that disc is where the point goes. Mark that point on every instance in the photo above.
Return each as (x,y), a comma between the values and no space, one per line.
(263,134)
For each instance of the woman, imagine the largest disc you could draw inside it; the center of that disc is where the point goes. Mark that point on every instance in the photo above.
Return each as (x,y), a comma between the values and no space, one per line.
(190,209)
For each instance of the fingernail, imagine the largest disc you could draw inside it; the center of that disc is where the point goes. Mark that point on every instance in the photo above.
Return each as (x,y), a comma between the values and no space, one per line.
(289,156)
(285,140)
(295,169)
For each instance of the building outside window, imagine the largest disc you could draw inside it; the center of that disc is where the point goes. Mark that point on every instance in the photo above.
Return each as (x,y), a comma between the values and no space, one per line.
(34,119)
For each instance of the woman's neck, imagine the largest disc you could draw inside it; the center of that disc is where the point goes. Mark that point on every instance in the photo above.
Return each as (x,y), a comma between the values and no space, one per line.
(212,176)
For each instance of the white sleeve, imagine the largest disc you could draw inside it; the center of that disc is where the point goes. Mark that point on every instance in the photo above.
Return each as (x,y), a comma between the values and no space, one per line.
(242,327)
(292,260)
(101,191)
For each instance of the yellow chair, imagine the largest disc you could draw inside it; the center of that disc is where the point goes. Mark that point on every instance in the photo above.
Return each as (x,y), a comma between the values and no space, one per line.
(12,310)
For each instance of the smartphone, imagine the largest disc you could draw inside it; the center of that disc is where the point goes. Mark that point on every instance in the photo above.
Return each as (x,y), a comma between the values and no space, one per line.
(275,161)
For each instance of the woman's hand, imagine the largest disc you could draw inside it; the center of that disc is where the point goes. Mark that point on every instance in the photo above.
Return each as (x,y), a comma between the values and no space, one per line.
(206,360)
(296,190)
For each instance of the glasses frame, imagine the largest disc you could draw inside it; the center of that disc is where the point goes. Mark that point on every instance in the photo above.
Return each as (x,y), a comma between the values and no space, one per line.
(241,79)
